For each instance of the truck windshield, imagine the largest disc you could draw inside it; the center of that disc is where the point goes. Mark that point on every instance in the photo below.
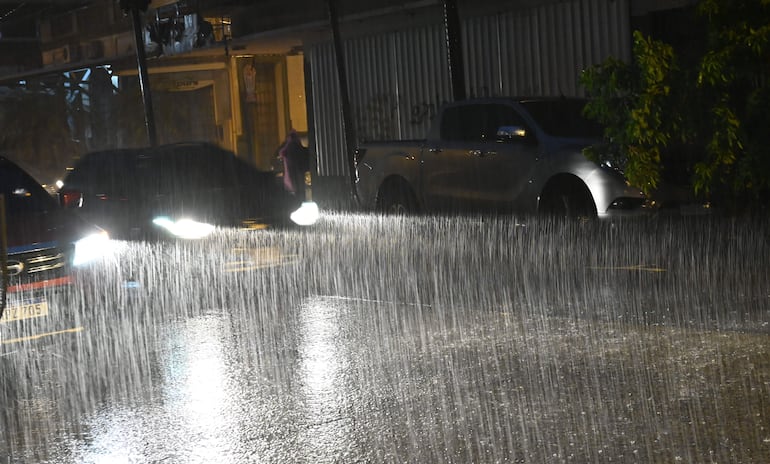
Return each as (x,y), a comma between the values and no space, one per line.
(563,118)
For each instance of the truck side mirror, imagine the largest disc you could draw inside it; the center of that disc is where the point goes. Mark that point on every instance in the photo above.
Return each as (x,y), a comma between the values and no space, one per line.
(508,134)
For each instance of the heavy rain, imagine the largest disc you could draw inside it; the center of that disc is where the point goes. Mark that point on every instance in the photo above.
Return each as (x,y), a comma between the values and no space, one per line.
(619,314)
(407,339)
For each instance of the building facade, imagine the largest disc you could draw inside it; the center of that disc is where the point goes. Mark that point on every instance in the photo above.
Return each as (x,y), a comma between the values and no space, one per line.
(242,75)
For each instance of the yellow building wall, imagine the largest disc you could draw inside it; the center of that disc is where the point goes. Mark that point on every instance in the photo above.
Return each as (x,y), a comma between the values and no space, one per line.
(295,70)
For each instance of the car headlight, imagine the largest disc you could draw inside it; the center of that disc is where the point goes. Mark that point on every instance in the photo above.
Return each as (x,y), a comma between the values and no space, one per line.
(91,247)
(306,215)
(184,228)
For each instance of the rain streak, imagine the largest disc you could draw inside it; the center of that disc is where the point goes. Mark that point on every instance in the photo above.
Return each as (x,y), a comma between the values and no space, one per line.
(377,339)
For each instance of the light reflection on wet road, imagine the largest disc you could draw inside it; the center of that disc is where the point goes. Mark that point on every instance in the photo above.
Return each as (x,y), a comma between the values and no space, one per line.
(408,340)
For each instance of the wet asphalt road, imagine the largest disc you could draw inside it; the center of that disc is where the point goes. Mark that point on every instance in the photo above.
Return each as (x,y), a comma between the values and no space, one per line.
(409,340)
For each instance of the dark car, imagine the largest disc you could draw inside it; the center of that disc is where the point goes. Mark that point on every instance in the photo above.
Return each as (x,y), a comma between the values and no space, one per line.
(182,190)
(44,245)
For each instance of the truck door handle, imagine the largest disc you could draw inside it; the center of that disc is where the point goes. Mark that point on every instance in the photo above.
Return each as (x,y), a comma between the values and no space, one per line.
(481,153)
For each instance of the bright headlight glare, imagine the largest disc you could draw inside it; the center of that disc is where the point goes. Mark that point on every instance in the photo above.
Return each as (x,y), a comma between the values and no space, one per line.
(306,215)
(184,228)
(91,247)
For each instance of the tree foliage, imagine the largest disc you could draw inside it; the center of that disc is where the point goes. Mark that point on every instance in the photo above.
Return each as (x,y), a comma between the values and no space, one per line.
(710,111)
(632,100)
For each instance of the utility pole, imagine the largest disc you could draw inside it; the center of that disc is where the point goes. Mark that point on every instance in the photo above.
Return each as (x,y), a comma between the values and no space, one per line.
(347,124)
(133,8)
(3,255)
(454,49)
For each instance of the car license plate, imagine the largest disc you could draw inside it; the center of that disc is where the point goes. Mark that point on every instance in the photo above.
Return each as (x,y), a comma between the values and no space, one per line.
(26,309)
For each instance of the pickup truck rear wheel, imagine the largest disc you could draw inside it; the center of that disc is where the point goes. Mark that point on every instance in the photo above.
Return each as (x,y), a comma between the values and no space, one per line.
(397,198)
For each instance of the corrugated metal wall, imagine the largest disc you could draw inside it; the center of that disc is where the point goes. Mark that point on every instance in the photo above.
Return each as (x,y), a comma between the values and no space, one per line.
(327,113)
(541,51)
(397,80)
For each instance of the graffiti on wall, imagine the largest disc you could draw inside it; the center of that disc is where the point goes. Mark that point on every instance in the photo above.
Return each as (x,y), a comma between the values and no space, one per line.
(422,113)
(378,118)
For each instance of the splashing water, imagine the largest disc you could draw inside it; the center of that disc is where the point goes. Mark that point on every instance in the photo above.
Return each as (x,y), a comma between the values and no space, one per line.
(392,339)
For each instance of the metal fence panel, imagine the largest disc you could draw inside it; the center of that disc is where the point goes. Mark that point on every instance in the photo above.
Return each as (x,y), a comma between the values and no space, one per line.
(423,78)
(542,50)
(370,64)
(327,112)
(397,80)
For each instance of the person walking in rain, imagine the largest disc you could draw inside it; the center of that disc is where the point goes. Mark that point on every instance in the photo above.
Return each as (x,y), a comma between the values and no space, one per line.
(296,161)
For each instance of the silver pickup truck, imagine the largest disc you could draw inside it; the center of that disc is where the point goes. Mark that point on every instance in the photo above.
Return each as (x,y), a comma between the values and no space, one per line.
(497,155)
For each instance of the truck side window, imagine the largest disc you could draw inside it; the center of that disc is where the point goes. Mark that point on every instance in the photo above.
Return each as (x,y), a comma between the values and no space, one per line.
(451,125)
(506,116)
(464,123)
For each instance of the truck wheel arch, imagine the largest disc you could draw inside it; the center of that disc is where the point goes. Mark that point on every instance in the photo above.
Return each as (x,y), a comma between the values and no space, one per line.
(568,196)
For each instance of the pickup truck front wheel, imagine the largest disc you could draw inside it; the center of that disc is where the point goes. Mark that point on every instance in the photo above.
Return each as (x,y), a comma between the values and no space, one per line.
(396,198)
(568,198)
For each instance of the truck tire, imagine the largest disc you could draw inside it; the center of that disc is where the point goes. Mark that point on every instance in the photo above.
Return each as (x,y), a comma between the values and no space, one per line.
(396,198)
(568,198)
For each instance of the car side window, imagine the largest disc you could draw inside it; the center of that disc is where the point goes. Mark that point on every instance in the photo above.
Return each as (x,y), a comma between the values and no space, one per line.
(104,174)
(194,167)
(87,172)
(248,174)
(22,193)
(217,166)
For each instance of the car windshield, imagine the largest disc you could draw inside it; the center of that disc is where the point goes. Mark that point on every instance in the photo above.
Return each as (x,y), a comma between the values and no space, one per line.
(22,194)
(563,118)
